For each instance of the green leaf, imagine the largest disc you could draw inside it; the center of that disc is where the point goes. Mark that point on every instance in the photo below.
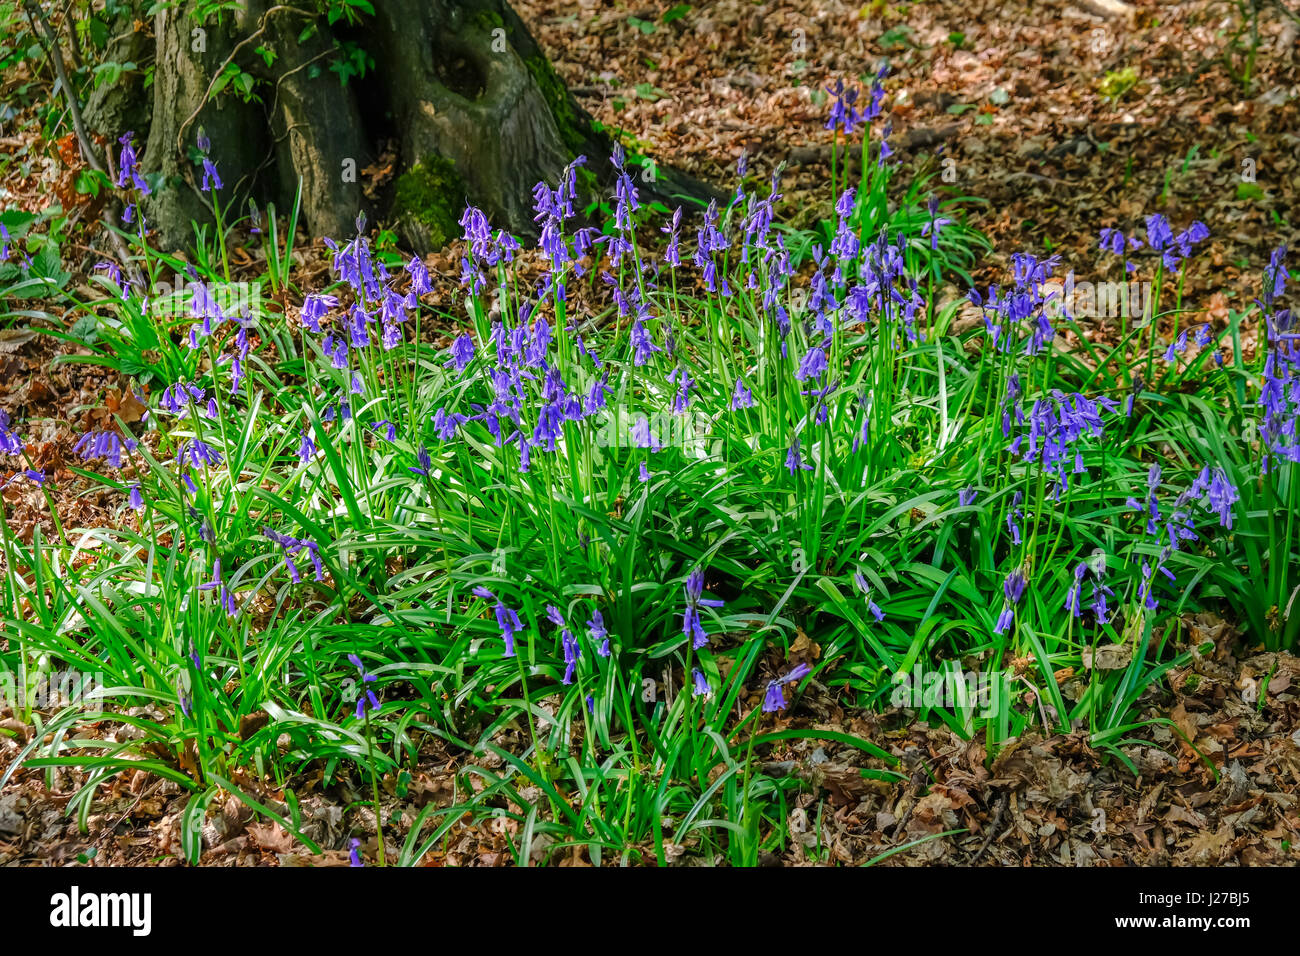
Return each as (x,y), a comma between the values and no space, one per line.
(86,329)
(47,265)
(90,181)
(1249,191)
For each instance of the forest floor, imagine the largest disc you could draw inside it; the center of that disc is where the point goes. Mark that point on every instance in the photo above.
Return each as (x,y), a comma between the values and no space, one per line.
(1057,123)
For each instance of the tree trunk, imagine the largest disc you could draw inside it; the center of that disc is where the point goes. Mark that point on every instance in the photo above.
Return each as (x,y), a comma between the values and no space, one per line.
(476,111)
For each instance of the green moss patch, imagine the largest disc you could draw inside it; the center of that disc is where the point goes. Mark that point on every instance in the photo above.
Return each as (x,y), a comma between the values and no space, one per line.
(432,194)
(556,95)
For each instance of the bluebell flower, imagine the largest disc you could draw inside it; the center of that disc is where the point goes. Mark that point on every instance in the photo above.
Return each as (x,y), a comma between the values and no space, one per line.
(642,345)
(774,698)
(1112,240)
(420,283)
(445,423)
(625,194)
(843,113)
(199,453)
(306,448)
(1072,596)
(642,436)
(225,598)
(103,444)
(1221,496)
(290,548)
(572,653)
(865,588)
(813,364)
(1275,275)
(128,166)
(1159,235)
(598,634)
(741,397)
(367,700)
(701,684)
(692,626)
(507,620)
(31,474)
(425,463)
(794,461)
(935,224)
(10,443)
(682,397)
(1013,588)
(462,352)
(1013,525)
(966,496)
(672,255)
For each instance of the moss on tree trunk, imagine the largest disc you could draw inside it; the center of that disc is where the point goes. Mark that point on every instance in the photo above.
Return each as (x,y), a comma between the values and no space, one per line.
(475,108)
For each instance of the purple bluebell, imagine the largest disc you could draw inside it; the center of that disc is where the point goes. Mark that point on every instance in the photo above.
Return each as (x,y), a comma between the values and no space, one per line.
(1221,495)
(813,364)
(844,115)
(1013,588)
(128,166)
(1072,596)
(102,444)
(794,460)
(425,463)
(741,397)
(198,452)
(643,436)
(366,700)
(445,423)
(1013,517)
(507,619)
(225,598)
(598,634)
(682,396)
(935,224)
(774,698)
(860,580)
(692,626)
(10,443)
(672,255)
(642,345)
(462,352)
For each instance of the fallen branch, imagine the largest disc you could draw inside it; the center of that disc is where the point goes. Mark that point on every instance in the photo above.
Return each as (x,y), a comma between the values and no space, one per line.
(1107,8)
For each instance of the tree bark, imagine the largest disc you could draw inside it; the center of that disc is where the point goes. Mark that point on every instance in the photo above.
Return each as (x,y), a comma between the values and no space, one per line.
(478,114)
